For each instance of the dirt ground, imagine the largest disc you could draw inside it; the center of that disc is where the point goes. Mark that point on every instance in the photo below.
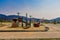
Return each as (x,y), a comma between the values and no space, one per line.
(53,32)
(7,26)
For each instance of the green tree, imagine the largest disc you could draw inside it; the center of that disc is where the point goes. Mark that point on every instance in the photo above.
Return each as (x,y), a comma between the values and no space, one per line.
(54,21)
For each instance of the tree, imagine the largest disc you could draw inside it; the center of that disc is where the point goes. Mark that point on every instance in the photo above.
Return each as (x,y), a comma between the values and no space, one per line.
(54,21)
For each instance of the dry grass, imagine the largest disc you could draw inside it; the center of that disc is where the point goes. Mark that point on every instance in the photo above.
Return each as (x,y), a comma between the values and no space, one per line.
(7,26)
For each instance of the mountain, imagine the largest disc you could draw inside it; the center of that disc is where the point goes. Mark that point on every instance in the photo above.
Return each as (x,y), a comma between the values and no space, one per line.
(3,16)
(10,17)
(56,19)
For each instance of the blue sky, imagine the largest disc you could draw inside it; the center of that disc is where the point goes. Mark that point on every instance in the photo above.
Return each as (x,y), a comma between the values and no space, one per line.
(37,8)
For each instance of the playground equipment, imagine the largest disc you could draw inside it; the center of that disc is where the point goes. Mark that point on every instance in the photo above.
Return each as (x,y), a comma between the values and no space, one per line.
(26,22)
(20,20)
(15,23)
(36,24)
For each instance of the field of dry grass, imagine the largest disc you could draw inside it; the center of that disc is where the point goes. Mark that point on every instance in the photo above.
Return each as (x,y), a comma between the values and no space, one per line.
(53,32)
(7,26)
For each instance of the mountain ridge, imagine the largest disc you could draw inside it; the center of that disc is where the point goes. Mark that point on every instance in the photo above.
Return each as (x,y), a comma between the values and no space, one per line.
(10,17)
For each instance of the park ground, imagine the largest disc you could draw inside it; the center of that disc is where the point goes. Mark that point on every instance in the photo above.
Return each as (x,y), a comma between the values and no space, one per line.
(53,32)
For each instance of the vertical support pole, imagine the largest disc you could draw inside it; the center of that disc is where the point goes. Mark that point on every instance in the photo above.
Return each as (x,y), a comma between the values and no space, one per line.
(30,20)
(26,20)
(22,21)
(18,18)
(18,14)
